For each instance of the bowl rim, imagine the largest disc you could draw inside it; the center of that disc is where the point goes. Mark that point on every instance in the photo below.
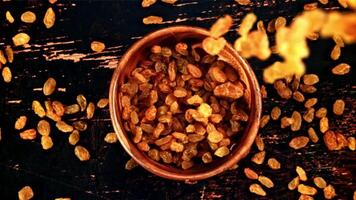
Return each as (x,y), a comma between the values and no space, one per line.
(253,125)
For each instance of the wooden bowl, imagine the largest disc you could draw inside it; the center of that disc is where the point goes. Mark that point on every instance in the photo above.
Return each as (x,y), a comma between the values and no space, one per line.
(252,96)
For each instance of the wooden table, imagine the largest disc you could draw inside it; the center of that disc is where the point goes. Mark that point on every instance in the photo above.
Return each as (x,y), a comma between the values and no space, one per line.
(63,52)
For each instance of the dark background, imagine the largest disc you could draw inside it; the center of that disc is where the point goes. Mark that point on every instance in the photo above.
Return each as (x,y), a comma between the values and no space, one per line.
(58,173)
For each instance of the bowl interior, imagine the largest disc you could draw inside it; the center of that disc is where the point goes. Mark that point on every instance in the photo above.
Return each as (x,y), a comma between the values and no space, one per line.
(170,36)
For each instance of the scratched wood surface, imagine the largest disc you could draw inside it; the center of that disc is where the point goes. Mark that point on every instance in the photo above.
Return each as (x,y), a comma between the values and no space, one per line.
(63,52)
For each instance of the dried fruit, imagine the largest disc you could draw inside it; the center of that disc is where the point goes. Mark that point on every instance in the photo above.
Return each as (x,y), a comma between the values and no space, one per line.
(341,69)
(335,141)
(324,1)
(180,92)
(275,113)
(293,184)
(261,26)
(221,26)
(229,90)
(264,120)
(82,153)
(321,112)
(205,110)
(20,122)
(90,110)
(259,143)
(26,193)
(286,121)
(299,142)
(53,116)
(166,156)
(38,109)
(263,91)
(6,74)
(336,52)
(9,53)
(313,36)
(308,190)
(80,125)
(58,108)
(194,70)
(352,143)
(150,115)
(154,154)
(176,146)
(64,127)
(217,74)
(187,164)
(28,134)
(246,24)
(310,79)
(49,18)
(307,88)
(28,17)
(338,107)
(207,158)
(43,128)
(259,157)
(338,40)
(257,189)
(341,141)
(143,146)
(82,102)
(274,163)
(310,102)
(330,140)
(222,151)
(147,3)
(2,58)
(310,6)
(243,2)
(74,137)
(298,96)
(213,46)
(97,46)
(102,103)
(297,121)
(302,174)
(282,89)
(49,86)
(21,39)
(46,142)
(266,181)
(71,109)
(280,22)
(110,138)
(250,174)
(309,115)
(169,1)
(312,135)
(319,182)
(324,124)
(131,164)
(329,192)
(9,17)
(152,20)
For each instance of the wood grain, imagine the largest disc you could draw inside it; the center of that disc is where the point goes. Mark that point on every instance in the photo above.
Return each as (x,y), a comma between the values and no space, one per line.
(63,52)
